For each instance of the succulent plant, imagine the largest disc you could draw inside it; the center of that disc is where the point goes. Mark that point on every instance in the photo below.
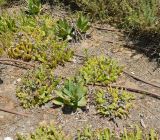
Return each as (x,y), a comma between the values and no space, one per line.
(100,70)
(34,6)
(82,23)
(72,94)
(64,30)
(113,103)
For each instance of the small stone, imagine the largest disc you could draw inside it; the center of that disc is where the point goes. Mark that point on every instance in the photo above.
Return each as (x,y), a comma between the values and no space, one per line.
(1,117)
(128,52)
(143,124)
(74,60)
(8,138)
(17,81)
(138,56)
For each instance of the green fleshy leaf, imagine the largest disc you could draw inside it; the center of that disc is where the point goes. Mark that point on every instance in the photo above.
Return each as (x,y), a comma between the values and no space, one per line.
(58,101)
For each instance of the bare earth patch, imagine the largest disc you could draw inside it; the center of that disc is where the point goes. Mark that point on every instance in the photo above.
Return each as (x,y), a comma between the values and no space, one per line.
(146,110)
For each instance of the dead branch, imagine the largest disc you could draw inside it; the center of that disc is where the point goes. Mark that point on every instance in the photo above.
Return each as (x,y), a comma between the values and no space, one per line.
(16,61)
(101,28)
(154,95)
(140,91)
(14,112)
(139,79)
(11,64)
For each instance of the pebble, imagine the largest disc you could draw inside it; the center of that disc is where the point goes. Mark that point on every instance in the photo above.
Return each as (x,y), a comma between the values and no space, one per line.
(17,81)
(1,117)
(74,60)
(142,123)
(138,56)
(128,52)
(8,138)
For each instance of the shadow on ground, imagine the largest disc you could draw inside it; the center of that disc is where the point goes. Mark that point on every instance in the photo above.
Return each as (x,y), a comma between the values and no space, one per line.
(146,43)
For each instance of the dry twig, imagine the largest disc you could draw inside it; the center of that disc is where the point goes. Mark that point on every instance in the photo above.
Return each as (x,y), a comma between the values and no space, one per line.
(101,28)
(154,95)
(139,79)
(14,112)
(16,61)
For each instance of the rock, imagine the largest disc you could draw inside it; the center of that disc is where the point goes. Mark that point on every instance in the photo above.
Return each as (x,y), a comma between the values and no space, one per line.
(1,117)
(8,138)
(128,52)
(74,60)
(138,56)
(17,81)
(142,123)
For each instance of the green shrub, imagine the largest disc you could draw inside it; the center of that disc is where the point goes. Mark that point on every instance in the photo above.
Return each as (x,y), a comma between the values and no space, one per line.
(138,134)
(33,47)
(88,134)
(34,6)
(73,94)
(113,103)
(63,30)
(1,51)
(107,134)
(82,23)
(96,8)
(2,2)
(7,23)
(143,15)
(139,15)
(37,87)
(45,132)
(52,132)
(100,70)
(26,37)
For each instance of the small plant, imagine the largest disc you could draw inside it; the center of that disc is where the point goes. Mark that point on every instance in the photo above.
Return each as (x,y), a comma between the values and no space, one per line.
(100,70)
(30,38)
(7,23)
(50,132)
(34,6)
(64,30)
(37,87)
(107,134)
(22,48)
(45,132)
(88,134)
(72,94)
(95,8)
(32,46)
(113,103)
(143,16)
(1,51)
(138,134)
(2,2)
(82,23)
